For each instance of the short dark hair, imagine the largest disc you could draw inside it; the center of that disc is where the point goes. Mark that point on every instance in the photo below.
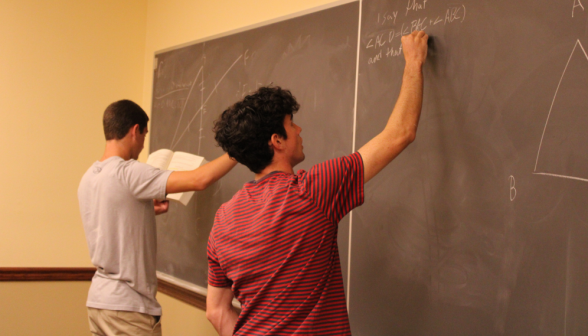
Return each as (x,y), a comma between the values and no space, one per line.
(245,129)
(120,116)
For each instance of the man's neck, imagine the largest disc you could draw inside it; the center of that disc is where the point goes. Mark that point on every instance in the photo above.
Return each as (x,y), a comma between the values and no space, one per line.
(281,166)
(116,148)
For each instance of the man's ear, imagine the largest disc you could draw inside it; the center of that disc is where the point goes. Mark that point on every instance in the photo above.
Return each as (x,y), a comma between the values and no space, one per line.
(135,130)
(276,141)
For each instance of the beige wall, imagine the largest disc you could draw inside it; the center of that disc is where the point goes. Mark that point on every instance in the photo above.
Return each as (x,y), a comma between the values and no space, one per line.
(63,62)
(181,319)
(43,308)
(58,308)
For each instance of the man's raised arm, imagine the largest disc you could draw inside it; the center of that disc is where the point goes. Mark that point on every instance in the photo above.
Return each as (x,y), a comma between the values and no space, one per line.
(401,128)
(200,178)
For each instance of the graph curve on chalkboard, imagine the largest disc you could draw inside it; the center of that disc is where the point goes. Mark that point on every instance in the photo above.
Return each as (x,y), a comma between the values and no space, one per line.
(561,150)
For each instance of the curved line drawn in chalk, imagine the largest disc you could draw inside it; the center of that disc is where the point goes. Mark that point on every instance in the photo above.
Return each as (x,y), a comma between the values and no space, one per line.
(578,43)
(186,103)
(202,107)
(169,93)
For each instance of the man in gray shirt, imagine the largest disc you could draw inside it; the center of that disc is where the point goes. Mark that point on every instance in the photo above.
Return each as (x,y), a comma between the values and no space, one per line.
(119,198)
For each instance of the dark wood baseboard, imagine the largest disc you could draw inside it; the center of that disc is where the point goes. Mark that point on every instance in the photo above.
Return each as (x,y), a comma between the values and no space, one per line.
(86,274)
(46,273)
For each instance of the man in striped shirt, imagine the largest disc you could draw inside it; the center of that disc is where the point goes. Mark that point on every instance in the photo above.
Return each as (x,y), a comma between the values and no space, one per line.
(273,246)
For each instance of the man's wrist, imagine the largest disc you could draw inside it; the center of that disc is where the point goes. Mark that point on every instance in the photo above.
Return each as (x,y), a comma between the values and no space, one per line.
(413,65)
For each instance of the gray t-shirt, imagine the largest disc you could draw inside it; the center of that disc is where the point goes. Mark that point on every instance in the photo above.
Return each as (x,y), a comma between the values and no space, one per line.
(116,204)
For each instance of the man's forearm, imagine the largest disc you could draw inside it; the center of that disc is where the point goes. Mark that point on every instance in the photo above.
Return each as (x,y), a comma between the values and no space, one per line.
(223,320)
(201,178)
(214,170)
(404,119)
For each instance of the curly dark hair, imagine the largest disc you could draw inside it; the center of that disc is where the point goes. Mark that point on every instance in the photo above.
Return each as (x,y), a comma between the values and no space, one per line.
(245,129)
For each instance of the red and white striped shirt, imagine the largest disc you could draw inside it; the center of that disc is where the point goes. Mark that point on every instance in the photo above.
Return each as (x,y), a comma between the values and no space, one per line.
(275,244)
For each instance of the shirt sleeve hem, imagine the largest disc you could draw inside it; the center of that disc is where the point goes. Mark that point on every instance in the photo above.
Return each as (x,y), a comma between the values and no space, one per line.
(164,184)
(219,286)
(362,182)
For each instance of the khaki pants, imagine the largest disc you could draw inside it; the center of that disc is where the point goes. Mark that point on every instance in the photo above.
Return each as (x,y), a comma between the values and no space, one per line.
(105,322)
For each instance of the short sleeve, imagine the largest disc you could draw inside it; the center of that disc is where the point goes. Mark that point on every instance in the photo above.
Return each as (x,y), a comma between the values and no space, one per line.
(216,275)
(336,186)
(143,180)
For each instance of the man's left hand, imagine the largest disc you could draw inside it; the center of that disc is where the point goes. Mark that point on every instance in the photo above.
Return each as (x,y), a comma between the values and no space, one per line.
(160,207)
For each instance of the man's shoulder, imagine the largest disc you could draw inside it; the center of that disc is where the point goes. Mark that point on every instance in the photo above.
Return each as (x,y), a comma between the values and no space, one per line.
(128,168)
(238,197)
(105,165)
(113,168)
(344,160)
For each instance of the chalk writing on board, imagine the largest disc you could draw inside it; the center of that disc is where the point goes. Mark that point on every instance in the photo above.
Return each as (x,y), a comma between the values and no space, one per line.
(538,170)
(414,5)
(247,56)
(162,69)
(186,103)
(577,3)
(298,45)
(174,144)
(386,43)
(245,89)
(203,106)
(170,92)
(387,17)
(513,189)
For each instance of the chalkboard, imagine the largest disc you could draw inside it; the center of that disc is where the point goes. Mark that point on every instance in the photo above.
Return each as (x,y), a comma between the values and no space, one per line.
(314,55)
(481,226)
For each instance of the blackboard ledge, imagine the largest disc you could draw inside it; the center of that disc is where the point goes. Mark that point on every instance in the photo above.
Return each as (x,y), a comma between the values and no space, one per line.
(185,291)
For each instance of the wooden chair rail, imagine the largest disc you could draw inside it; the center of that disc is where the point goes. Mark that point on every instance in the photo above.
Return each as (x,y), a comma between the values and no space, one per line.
(85,274)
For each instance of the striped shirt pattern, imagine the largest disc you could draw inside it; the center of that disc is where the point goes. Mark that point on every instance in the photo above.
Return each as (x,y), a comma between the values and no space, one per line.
(275,244)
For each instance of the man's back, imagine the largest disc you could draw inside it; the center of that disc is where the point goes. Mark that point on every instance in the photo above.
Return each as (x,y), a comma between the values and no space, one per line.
(275,243)
(282,294)
(116,203)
